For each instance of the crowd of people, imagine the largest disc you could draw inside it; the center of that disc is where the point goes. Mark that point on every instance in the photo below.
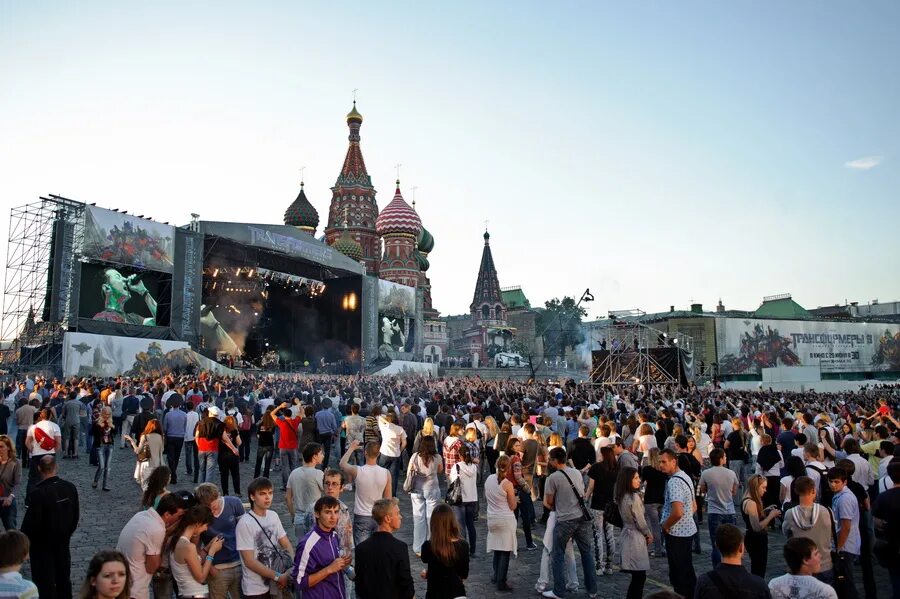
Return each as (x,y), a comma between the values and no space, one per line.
(625,476)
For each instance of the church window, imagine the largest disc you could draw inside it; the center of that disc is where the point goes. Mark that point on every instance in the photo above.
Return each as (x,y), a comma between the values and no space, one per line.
(485,312)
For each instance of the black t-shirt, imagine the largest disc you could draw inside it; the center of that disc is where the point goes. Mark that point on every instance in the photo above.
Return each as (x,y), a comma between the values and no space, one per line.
(655,490)
(210,428)
(887,508)
(736,451)
(582,453)
(446,581)
(604,485)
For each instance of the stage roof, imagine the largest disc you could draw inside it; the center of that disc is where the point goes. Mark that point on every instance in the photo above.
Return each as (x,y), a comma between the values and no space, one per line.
(285,239)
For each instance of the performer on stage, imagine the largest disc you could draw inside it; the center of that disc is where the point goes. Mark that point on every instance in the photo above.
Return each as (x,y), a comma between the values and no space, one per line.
(117,290)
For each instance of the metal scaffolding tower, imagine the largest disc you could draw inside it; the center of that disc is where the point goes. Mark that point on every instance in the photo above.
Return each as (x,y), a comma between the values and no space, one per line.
(40,283)
(626,358)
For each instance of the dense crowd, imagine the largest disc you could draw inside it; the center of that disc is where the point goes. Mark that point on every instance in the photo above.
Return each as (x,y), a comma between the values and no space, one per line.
(624,475)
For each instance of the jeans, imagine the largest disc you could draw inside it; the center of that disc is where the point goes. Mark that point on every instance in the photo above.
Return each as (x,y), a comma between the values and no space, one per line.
(264,459)
(894,575)
(229,465)
(303,521)
(526,511)
(70,435)
(173,455)
(651,513)
(851,593)
(681,566)
(581,532)
(394,465)
(104,454)
(8,515)
(226,580)
(191,461)
(363,527)
(244,449)
(288,463)
(501,568)
(465,515)
(326,441)
(21,450)
(737,466)
(422,506)
(605,538)
(713,521)
(208,466)
(571,571)
(126,427)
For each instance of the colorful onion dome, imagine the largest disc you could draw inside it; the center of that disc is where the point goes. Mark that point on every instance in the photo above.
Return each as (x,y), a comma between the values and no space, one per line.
(349,246)
(398,217)
(422,262)
(302,214)
(425,242)
(353,115)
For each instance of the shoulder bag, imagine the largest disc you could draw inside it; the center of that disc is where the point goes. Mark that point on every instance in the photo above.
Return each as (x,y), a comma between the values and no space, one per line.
(453,496)
(412,474)
(281,562)
(585,508)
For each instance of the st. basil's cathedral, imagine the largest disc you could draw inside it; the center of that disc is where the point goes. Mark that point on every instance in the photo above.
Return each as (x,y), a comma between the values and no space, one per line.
(394,246)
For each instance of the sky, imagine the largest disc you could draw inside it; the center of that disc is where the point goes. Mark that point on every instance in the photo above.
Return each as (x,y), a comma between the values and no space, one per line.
(657,153)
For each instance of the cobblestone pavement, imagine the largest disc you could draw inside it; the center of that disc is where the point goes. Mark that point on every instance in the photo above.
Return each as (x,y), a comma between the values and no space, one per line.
(103,514)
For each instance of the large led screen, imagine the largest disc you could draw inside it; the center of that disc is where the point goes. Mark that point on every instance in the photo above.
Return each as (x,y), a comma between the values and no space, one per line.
(124,295)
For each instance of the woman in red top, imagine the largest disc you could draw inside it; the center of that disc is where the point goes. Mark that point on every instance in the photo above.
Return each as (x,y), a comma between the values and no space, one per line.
(514,475)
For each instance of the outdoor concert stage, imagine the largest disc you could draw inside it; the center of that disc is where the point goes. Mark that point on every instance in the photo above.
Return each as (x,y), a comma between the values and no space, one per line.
(92,291)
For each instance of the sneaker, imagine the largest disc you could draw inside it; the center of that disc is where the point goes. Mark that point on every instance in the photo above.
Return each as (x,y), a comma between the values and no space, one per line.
(530,547)
(550,595)
(572,588)
(540,587)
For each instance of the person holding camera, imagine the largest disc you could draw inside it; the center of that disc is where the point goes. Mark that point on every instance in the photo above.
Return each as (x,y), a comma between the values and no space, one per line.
(190,566)
(756,520)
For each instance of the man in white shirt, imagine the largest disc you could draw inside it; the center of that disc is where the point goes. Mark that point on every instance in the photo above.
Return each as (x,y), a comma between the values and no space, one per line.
(863,473)
(814,468)
(43,438)
(141,541)
(372,483)
(393,441)
(803,560)
(260,537)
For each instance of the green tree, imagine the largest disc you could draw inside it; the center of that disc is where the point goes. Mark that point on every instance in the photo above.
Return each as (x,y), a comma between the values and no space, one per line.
(559,323)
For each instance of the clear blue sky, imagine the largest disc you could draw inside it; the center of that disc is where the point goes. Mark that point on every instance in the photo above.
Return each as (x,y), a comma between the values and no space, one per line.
(656,152)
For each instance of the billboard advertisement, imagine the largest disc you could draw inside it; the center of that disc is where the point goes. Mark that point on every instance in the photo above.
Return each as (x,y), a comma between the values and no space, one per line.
(124,295)
(125,239)
(746,346)
(396,316)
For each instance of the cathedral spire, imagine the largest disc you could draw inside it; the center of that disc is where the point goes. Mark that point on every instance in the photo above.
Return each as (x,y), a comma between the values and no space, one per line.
(487,299)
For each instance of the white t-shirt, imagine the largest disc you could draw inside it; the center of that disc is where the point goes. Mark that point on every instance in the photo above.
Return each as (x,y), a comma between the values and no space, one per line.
(791,586)
(142,536)
(51,429)
(370,483)
(251,536)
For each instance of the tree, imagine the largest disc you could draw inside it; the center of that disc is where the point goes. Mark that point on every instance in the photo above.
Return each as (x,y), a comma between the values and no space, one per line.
(559,323)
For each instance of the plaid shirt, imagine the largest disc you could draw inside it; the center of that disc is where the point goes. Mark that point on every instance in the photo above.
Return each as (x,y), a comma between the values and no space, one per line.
(451,454)
(474,450)
(13,585)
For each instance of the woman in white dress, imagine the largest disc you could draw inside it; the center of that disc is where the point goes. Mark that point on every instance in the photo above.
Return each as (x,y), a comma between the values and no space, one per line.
(149,452)
(426,492)
(501,499)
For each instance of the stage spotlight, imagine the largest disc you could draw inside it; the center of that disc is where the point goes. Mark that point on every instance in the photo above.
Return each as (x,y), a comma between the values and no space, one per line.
(250,274)
(215,273)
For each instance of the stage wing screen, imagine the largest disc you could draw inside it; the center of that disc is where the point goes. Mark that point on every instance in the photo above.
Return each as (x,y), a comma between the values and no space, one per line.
(124,295)
(396,316)
(128,240)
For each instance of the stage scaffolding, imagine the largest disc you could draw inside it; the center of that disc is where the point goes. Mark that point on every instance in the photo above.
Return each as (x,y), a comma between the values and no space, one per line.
(628,359)
(40,283)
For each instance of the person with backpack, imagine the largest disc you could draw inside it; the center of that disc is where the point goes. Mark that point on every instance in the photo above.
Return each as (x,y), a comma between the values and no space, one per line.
(810,520)
(817,471)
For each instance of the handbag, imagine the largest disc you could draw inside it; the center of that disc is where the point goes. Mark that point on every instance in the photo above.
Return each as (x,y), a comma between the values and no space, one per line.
(585,508)
(280,562)
(412,474)
(453,496)
(144,453)
(611,514)
(842,564)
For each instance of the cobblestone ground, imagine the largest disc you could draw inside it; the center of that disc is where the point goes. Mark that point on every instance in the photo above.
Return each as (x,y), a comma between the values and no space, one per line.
(104,514)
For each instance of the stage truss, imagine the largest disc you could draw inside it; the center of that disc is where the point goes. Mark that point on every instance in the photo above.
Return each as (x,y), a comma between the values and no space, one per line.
(31,330)
(629,361)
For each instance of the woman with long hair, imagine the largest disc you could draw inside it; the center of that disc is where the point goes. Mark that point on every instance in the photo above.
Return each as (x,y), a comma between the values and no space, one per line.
(636,535)
(157,486)
(515,475)
(265,444)
(795,468)
(768,464)
(500,442)
(500,496)
(428,430)
(827,445)
(188,571)
(467,471)
(490,451)
(104,438)
(149,451)
(447,556)
(229,458)
(424,466)
(602,481)
(644,442)
(108,577)
(245,428)
(10,477)
(654,495)
(756,521)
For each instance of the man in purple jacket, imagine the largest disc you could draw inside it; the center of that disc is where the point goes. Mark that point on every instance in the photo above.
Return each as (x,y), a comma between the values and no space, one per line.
(318,564)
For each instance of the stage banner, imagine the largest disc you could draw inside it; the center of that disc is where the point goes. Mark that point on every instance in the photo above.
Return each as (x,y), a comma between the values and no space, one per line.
(125,239)
(187,286)
(396,316)
(746,346)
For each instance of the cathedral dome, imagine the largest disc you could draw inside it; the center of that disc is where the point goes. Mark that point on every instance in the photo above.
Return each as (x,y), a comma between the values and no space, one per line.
(425,242)
(422,262)
(302,214)
(349,246)
(353,115)
(398,217)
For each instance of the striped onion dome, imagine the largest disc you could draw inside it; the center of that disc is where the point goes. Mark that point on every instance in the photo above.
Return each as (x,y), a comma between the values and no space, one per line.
(398,217)
(301,213)
(348,246)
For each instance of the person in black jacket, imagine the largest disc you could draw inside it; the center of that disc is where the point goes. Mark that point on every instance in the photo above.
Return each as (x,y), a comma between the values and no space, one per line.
(730,578)
(49,523)
(382,561)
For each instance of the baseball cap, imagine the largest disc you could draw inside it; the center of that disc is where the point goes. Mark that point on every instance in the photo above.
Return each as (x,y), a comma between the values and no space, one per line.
(213,411)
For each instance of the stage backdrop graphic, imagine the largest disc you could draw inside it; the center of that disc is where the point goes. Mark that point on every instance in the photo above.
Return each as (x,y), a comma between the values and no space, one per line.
(125,239)
(396,316)
(745,346)
(107,294)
